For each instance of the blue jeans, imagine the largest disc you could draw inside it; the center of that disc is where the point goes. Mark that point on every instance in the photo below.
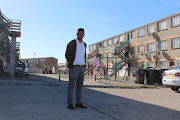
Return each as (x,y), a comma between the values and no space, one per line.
(76,74)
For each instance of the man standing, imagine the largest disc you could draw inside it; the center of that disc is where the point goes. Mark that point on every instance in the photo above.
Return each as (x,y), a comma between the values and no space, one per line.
(76,58)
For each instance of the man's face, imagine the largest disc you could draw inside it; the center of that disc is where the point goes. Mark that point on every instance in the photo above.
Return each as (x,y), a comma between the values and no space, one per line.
(80,35)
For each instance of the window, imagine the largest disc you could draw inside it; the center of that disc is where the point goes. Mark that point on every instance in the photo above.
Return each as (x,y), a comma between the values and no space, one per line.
(162,64)
(141,64)
(163,45)
(90,48)
(162,25)
(133,34)
(150,64)
(141,32)
(151,29)
(150,47)
(104,44)
(178,62)
(127,36)
(109,55)
(100,44)
(121,38)
(176,21)
(94,47)
(132,50)
(141,48)
(176,42)
(114,40)
(109,42)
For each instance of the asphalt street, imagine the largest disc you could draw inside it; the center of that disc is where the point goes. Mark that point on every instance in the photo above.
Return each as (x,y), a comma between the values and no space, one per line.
(44,98)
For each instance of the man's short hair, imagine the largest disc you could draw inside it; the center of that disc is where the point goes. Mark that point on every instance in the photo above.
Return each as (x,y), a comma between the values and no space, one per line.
(80,29)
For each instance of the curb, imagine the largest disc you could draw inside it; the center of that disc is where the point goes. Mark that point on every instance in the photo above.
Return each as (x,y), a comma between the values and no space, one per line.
(121,87)
(111,86)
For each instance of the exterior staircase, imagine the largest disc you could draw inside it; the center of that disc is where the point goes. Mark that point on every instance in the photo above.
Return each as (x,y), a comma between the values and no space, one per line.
(10,28)
(119,51)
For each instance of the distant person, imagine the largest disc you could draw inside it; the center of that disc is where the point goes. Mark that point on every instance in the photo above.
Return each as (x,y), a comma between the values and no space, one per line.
(91,69)
(104,71)
(76,58)
(1,66)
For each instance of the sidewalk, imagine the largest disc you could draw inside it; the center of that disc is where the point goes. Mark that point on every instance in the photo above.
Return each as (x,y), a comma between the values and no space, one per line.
(119,83)
(37,98)
(43,97)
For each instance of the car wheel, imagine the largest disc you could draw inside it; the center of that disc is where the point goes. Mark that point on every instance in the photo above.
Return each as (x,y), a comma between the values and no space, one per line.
(175,88)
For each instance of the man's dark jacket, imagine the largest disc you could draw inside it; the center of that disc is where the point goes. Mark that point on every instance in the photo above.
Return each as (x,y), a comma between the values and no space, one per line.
(71,53)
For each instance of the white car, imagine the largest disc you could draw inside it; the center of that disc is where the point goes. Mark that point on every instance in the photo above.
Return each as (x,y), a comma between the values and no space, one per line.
(172,78)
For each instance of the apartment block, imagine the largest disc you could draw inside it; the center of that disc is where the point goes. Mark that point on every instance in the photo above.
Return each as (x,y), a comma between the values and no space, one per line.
(156,44)
(40,64)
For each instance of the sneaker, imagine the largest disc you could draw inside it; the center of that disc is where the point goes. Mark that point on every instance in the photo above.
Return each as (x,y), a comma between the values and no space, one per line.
(80,106)
(70,106)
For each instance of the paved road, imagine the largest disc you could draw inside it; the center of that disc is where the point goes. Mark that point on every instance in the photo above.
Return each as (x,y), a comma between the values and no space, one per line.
(44,98)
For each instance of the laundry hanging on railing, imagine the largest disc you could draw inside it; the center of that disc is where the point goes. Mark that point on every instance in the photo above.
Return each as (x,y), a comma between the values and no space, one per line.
(96,62)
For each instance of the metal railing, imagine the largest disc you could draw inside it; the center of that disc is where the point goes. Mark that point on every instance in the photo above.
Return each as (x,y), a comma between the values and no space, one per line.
(120,64)
(8,27)
(4,18)
(12,25)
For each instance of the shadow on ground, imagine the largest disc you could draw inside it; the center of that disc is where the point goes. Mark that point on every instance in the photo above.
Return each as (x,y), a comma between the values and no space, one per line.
(114,107)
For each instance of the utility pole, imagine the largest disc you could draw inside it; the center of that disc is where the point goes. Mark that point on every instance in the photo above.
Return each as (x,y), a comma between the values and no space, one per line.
(157,45)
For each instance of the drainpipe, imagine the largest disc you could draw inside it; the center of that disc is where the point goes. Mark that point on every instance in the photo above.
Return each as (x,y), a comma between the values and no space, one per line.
(157,47)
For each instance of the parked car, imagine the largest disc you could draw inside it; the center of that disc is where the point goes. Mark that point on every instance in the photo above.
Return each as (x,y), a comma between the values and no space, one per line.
(19,71)
(6,70)
(172,78)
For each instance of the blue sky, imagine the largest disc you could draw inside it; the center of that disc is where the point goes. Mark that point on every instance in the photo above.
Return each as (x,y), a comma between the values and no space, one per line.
(48,25)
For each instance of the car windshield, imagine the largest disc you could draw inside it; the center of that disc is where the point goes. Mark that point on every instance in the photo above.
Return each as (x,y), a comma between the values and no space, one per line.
(178,67)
